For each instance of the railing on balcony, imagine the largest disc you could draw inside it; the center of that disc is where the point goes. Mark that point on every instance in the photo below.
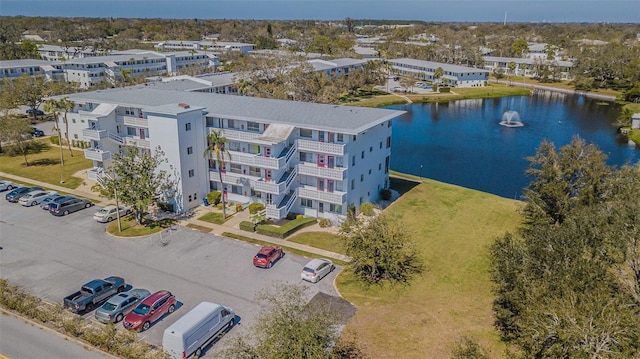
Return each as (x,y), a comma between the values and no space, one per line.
(321,147)
(136,141)
(116,138)
(256,160)
(236,135)
(233,178)
(133,120)
(312,192)
(96,154)
(94,134)
(95,173)
(312,169)
(281,210)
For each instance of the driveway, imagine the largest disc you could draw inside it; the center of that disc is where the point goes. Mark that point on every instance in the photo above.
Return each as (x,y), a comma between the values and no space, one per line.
(53,256)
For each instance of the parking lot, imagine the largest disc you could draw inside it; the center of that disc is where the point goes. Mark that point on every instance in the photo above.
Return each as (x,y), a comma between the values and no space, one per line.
(52,257)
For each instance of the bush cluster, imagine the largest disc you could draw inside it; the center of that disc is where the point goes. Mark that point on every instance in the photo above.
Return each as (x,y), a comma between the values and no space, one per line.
(238,207)
(255,207)
(285,230)
(325,222)
(122,343)
(214,197)
(367,209)
(385,194)
(80,144)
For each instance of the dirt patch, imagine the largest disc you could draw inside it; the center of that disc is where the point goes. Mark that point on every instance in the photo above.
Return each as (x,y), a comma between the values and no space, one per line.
(343,308)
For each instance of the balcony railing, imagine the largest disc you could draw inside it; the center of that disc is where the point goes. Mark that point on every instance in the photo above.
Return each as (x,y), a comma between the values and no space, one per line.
(233,178)
(137,142)
(280,212)
(95,173)
(134,121)
(93,134)
(96,154)
(237,135)
(257,160)
(311,192)
(312,169)
(321,147)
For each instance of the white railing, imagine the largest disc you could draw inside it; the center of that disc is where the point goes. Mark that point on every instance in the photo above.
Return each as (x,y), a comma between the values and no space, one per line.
(233,178)
(323,196)
(321,147)
(116,138)
(236,135)
(290,154)
(92,134)
(256,160)
(137,142)
(96,154)
(281,212)
(94,173)
(134,121)
(312,169)
(269,187)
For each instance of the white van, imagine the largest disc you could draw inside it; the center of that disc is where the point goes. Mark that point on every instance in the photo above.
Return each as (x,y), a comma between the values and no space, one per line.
(196,329)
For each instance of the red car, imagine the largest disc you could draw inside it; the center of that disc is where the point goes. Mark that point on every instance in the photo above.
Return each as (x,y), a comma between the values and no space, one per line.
(267,255)
(149,310)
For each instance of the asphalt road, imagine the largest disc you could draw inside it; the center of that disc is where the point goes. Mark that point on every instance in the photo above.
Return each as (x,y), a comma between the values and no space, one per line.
(52,257)
(25,340)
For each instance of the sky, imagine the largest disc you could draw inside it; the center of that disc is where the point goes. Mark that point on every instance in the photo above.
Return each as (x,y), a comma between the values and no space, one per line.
(619,11)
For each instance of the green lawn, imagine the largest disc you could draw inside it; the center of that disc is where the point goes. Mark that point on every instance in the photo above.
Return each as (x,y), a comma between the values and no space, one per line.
(131,229)
(45,166)
(214,217)
(453,227)
(322,240)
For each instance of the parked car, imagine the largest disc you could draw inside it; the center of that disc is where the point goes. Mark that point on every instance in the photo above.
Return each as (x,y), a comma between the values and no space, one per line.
(196,329)
(6,185)
(69,205)
(34,197)
(36,132)
(55,198)
(93,293)
(317,269)
(150,310)
(267,255)
(114,310)
(38,112)
(16,193)
(108,213)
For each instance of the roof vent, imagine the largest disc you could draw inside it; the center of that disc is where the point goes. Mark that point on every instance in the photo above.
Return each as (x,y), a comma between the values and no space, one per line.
(184,105)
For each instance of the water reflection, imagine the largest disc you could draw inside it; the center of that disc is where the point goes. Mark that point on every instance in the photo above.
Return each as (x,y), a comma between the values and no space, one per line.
(461,142)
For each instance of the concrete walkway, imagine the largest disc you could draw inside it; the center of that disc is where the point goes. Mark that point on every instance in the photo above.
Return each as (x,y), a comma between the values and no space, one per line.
(232,225)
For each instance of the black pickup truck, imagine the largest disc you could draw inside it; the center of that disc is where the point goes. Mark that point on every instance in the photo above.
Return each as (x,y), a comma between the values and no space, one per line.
(93,293)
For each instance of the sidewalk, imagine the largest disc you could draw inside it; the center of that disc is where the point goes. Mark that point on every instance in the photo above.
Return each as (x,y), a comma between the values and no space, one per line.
(232,225)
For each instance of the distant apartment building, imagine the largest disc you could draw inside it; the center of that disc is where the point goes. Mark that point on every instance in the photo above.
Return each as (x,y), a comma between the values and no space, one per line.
(337,67)
(203,45)
(454,75)
(313,159)
(46,69)
(222,83)
(529,67)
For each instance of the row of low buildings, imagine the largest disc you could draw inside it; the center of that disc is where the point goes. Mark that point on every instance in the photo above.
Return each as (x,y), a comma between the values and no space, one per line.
(297,157)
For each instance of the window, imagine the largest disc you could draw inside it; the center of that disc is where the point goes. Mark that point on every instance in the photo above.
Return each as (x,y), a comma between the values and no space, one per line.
(75,136)
(353,160)
(335,208)
(361,178)
(379,166)
(73,120)
(304,202)
(304,157)
(231,124)
(388,141)
(369,170)
(131,131)
(235,168)
(386,165)
(380,144)
(362,155)
(306,133)
(187,126)
(388,123)
(253,126)
(371,149)
(189,150)
(354,138)
(192,173)
(339,137)
(353,184)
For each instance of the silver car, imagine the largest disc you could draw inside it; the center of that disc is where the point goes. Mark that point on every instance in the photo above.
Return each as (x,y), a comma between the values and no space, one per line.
(34,197)
(44,204)
(119,305)
(317,269)
(6,185)
(108,213)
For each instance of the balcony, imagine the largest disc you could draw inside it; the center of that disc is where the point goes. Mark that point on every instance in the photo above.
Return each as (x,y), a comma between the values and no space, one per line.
(237,135)
(95,173)
(233,178)
(133,121)
(95,154)
(280,211)
(311,192)
(276,187)
(93,134)
(321,147)
(312,169)
(256,160)
(137,142)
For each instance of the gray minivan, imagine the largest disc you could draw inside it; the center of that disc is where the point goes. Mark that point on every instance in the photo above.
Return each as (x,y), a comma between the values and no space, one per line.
(68,205)
(195,330)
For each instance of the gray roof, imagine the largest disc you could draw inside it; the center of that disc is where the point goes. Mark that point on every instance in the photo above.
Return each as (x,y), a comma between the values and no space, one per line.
(528,61)
(25,63)
(115,58)
(435,65)
(335,118)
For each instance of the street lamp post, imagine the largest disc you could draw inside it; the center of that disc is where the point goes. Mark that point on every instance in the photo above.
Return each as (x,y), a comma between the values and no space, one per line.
(420,173)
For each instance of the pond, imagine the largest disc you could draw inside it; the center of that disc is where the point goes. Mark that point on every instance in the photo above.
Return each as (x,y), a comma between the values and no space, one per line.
(463,143)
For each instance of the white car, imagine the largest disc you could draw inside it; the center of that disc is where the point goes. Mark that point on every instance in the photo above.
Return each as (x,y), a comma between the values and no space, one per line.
(6,185)
(317,269)
(108,213)
(34,197)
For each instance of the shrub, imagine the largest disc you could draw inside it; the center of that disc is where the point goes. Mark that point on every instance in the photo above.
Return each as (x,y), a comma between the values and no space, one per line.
(367,209)
(238,207)
(219,205)
(299,216)
(247,226)
(325,222)
(445,89)
(55,140)
(255,207)
(385,194)
(165,206)
(214,197)
(291,216)
(285,230)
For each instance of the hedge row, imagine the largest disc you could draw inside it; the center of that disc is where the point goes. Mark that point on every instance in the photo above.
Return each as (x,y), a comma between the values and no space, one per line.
(247,226)
(122,343)
(285,230)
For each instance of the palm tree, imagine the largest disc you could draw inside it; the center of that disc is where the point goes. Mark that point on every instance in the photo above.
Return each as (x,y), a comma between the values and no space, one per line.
(216,150)
(66,105)
(53,106)
(437,74)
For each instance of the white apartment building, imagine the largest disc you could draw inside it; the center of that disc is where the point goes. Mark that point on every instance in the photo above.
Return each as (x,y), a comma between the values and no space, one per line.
(454,75)
(203,45)
(337,67)
(529,67)
(89,71)
(297,157)
(16,68)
